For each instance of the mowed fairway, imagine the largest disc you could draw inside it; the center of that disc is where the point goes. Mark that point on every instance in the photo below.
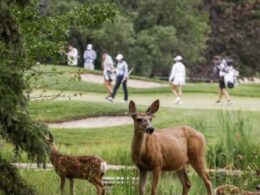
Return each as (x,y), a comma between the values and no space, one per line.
(82,99)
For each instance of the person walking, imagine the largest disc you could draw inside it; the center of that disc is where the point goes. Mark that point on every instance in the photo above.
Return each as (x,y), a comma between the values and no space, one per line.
(89,57)
(108,69)
(177,78)
(220,71)
(121,77)
(72,56)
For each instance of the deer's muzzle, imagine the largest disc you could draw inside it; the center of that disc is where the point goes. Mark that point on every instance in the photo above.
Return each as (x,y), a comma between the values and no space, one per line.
(149,130)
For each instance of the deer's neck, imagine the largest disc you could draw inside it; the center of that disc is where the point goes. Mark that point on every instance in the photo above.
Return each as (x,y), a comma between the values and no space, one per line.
(54,155)
(138,144)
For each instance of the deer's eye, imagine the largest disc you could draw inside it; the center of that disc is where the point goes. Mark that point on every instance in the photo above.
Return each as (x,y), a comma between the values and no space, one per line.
(139,120)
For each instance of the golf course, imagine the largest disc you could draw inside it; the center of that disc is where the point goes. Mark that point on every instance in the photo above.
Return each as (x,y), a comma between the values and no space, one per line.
(83,122)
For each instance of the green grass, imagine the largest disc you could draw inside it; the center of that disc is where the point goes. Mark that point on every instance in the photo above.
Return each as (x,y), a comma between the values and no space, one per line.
(47,182)
(113,143)
(57,111)
(72,69)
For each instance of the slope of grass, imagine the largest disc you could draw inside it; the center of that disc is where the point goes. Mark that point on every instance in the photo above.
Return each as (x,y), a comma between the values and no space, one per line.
(57,111)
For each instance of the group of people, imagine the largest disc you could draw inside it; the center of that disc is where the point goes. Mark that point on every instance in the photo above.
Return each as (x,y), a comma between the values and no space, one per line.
(223,71)
(89,57)
(109,70)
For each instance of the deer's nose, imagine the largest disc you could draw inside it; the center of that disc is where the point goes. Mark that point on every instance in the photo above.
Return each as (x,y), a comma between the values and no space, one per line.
(150,130)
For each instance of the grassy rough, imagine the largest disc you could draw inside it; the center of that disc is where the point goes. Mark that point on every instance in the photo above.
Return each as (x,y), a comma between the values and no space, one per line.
(58,111)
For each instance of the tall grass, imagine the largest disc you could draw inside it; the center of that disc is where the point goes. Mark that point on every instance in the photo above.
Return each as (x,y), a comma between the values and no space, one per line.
(234,148)
(47,182)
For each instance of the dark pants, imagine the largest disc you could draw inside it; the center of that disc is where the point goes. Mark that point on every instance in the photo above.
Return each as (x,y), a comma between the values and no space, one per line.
(119,80)
(221,82)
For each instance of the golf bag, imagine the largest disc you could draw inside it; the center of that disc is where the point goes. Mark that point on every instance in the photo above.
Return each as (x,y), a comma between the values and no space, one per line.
(230,77)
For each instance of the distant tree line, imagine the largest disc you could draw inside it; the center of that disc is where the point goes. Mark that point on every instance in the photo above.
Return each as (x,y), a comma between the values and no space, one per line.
(151,32)
(235,30)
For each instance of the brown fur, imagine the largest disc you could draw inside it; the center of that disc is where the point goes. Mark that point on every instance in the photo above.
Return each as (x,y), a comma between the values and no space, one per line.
(232,190)
(169,149)
(90,168)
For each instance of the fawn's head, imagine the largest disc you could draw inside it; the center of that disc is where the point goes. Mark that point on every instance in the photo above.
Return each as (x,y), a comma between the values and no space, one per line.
(48,138)
(142,121)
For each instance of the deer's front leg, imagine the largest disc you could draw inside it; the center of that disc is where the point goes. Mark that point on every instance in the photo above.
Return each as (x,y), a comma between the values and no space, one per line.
(142,181)
(156,177)
(62,184)
(71,186)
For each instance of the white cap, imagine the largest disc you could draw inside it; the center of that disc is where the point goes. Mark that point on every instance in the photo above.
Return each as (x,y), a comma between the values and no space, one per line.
(177,58)
(119,57)
(89,46)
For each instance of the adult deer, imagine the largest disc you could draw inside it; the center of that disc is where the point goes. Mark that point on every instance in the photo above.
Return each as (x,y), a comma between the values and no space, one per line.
(170,149)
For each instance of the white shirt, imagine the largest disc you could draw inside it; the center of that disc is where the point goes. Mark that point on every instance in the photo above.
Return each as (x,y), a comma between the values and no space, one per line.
(108,64)
(178,74)
(73,57)
(89,56)
(223,69)
(122,69)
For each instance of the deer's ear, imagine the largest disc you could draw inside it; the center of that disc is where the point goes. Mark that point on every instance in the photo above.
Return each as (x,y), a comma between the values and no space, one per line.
(154,107)
(132,108)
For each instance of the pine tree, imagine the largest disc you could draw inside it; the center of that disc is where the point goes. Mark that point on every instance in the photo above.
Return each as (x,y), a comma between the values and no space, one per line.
(24,38)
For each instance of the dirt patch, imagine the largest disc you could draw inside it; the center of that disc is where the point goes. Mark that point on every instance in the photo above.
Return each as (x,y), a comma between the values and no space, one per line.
(94,122)
(131,83)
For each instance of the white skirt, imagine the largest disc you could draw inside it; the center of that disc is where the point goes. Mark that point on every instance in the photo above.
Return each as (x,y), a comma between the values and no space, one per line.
(178,81)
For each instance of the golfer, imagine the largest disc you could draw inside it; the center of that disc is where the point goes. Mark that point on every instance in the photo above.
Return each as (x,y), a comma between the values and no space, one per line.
(72,56)
(221,70)
(108,69)
(121,77)
(177,78)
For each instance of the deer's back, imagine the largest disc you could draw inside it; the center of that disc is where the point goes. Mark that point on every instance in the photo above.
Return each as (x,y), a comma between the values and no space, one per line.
(82,167)
(186,139)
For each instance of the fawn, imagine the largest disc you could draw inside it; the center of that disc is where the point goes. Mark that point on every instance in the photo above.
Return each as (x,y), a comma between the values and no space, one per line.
(230,189)
(91,168)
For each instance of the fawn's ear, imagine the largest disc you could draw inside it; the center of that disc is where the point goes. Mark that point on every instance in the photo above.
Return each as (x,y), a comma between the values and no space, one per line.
(48,138)
(51,137)
(153,108)
(132,109)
